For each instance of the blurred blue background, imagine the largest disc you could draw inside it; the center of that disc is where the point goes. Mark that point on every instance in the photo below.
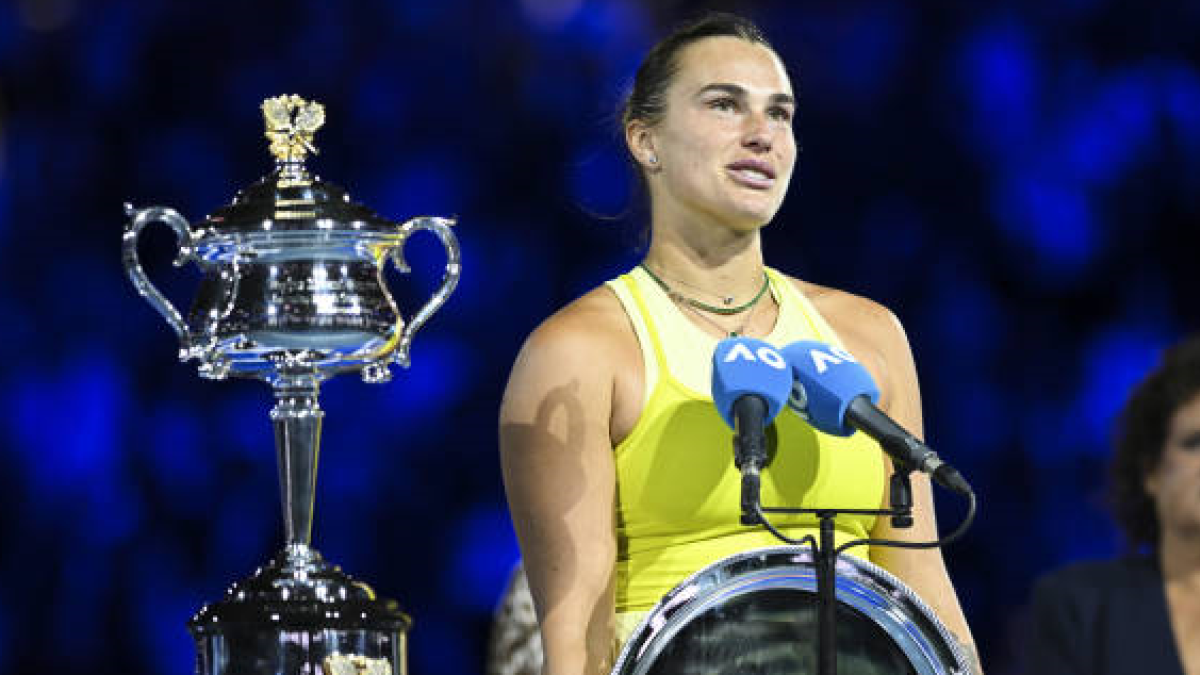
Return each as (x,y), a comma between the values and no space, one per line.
(1019,182)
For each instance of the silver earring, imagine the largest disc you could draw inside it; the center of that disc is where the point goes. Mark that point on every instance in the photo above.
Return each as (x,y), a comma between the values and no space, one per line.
(653,159)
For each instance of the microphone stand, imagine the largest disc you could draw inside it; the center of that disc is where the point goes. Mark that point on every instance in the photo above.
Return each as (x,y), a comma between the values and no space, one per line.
(825,552)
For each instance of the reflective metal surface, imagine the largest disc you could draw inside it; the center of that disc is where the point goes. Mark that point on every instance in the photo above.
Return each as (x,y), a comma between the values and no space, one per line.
(756,612)
(292,615)
(293,293)
(292,274)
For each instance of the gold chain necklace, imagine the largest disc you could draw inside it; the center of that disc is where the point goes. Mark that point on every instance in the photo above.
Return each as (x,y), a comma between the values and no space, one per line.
(740,330)
(696,304)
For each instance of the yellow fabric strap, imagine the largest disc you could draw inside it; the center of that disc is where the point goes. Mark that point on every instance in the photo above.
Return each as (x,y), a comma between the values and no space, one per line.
(635,292)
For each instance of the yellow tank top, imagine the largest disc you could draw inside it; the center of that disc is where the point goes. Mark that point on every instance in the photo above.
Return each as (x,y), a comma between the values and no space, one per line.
(678,492)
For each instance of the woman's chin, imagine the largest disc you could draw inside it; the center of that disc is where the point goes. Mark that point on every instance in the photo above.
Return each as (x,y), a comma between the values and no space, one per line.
(753,216)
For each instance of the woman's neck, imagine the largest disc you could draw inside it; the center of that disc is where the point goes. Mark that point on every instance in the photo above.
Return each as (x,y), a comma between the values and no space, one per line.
(721,261)
(1179,556)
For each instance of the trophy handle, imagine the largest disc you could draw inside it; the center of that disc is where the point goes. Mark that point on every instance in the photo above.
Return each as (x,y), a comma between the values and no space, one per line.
(440,227)
(140,218)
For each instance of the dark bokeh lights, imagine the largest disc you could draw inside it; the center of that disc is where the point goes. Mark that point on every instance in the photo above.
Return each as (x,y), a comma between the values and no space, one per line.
(1019,182)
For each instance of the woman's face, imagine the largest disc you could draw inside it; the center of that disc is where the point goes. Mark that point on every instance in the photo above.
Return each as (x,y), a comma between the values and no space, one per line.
(1175,483)
(725,147)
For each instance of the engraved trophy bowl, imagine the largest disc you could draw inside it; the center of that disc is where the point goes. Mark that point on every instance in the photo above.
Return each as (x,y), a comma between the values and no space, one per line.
(293,293)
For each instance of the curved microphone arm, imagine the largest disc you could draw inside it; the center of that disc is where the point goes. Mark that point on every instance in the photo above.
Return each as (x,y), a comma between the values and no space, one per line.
(761,511)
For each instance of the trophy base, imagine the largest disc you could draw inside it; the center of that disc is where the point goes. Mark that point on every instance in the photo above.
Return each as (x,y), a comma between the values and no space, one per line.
(300,615)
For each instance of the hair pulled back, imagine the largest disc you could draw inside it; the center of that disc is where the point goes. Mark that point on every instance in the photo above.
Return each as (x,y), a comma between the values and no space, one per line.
(647,100)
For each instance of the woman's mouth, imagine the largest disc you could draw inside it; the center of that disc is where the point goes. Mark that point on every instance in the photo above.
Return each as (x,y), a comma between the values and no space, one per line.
(752,173)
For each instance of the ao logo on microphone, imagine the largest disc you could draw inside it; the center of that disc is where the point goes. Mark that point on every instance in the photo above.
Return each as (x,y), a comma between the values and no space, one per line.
(822,360)
(764,354)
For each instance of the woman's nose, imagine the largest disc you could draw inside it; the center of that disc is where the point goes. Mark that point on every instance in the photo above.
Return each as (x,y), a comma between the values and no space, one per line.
(758,133)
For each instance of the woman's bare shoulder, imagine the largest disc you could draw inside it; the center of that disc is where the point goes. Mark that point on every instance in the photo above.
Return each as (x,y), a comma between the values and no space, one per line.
(577,354)
(852,317)
(589,338)
(866,328)
(596,321)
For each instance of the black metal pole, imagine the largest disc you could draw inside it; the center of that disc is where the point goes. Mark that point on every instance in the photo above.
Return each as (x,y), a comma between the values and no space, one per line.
(826,599)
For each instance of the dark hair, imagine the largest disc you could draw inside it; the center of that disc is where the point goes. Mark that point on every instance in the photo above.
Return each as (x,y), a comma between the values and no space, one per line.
(1142,430)
(647,97)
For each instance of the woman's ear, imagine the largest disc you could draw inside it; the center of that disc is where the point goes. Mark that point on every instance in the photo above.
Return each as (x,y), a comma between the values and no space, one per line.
(640,140)
(1150,482)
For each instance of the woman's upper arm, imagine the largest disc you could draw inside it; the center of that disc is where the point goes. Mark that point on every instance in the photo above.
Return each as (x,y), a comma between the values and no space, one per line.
(560,480)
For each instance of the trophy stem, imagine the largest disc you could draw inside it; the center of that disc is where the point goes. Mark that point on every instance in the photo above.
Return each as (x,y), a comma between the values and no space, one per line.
(297,420)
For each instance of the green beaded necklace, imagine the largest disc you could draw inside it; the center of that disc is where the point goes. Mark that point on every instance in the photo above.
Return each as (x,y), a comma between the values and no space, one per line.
(679,297)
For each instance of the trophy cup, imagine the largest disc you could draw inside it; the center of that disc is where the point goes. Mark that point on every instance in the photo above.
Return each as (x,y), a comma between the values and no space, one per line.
(293,293)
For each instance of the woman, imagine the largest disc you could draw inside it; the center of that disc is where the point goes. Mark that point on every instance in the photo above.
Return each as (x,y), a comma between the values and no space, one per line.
(1139,614)
(616,464)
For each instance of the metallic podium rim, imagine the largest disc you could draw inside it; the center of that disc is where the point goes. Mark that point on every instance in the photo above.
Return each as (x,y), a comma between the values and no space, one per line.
(861,585)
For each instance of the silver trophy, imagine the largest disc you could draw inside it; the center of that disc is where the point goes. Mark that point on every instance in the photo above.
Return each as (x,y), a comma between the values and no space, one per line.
(293,293)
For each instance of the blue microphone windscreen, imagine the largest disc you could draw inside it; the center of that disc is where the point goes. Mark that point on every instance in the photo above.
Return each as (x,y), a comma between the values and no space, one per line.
(744,366)
(827,379)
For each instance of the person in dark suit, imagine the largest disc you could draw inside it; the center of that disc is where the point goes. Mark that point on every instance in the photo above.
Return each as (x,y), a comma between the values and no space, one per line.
(1139,614)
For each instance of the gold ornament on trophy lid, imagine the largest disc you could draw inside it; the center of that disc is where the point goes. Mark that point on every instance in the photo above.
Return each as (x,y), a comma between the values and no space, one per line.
(291,122)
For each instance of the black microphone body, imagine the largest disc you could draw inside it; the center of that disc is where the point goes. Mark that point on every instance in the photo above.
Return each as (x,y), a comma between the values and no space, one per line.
(902,446)
(750,450)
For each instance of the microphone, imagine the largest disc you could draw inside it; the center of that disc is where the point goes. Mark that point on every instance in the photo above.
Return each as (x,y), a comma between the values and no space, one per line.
(835,394)
(750,385)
